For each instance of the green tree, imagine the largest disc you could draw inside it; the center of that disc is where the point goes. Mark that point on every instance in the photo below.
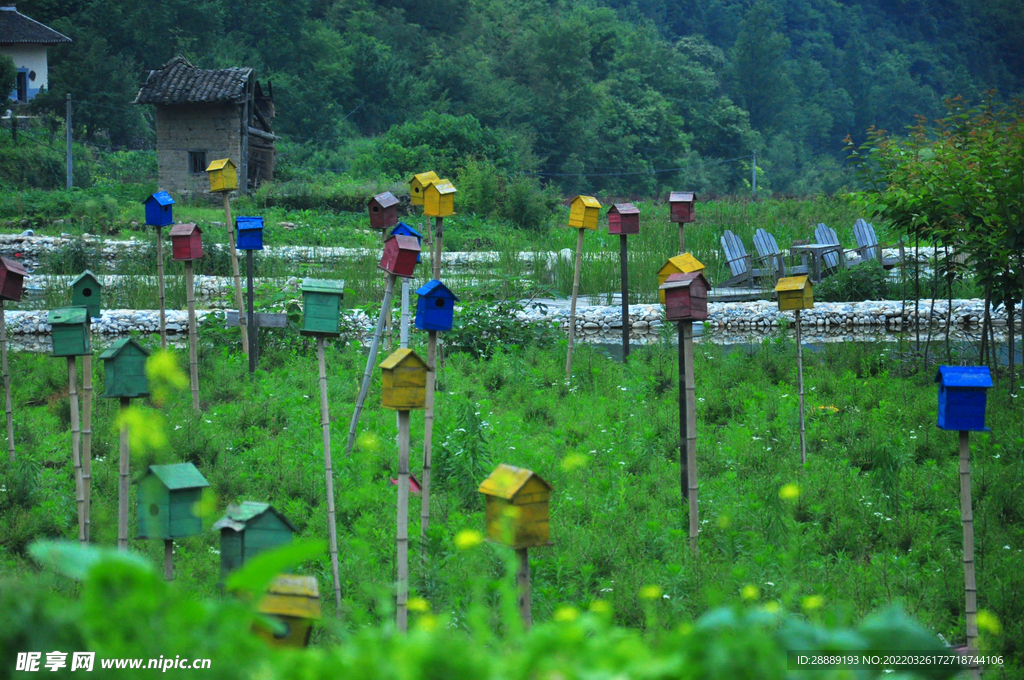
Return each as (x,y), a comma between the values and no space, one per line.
(8,81)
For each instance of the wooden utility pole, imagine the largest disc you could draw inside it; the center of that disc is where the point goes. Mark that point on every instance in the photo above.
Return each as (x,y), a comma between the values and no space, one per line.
(325,426)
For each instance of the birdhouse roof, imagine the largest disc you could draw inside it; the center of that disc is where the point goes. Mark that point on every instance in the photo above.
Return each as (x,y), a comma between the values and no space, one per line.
(407,242)
(588,201)
(179,476)
(179,82)
(685,263)
(624,209)
(792,283)
(236,517)
(335,286)
(682,197)
(290,595)
(85,275)
(67,316)
(184,229)
(116,348)
(506,481)
(681,280)
(442,186)
(964,376)
(12,266)
(403,229)
(245,223)
(17,28)
(220,164)
(402,356)
(161,197)
(425,177)
(385,200)
(436,289)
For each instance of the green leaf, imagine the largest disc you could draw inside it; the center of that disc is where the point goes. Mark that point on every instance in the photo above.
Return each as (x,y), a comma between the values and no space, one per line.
(75,560)
(257,573)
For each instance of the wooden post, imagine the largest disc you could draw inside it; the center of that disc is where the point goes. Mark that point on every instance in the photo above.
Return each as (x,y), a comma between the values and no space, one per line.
(7,383)
(160,287)
(800,388)
(234,270)
(168,559)
(682,237)
(438,246)
(523,586)
(403,332)
(428,436)
(402,532)
(87,437)
(690,408)
(193,353)
(386,308)
(967,520)
(370,361)
(624,266)
(325,425)
(254,340)
(572,305)
(123,482)
(76,442)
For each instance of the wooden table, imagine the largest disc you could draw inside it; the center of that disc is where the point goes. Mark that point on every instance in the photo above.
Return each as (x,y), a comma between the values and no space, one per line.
(818,251)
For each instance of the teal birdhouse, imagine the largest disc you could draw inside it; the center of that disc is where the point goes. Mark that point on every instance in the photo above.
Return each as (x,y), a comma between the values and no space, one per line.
(124,369)
(167,499)
(248,529)
(87,291)
(321,306)
(70,331)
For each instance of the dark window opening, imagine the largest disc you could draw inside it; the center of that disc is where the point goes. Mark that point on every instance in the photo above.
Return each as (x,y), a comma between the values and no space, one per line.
(197,162)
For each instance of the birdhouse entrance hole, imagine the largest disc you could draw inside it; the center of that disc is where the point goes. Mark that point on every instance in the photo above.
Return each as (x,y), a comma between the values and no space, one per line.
(154,510)
(439,303)
(87,292)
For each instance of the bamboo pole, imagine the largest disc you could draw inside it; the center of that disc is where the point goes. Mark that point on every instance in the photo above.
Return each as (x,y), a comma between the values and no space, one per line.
(438,246)
(684,477)
(403,333)
(386,309)
(168,559)
(624,266)
(402,531)
(76,442)
(682,236)
(689,390)
(160,287)
(428,415)
(193,352)
(967,520)
(254,339)
(800,389)
(572,305)
(123,481)
(370,361)
(87,438)
(7,383)
(523,587)
(242,321)
(325,426)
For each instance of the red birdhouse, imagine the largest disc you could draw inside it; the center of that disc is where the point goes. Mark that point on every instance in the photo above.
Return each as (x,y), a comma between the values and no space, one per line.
(400,253)
(623,218)
(681,205)
(187,242)
(686,297)
(383,209)
(12,279)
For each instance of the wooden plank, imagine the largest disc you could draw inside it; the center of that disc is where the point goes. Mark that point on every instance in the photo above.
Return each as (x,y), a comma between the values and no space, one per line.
(263,319)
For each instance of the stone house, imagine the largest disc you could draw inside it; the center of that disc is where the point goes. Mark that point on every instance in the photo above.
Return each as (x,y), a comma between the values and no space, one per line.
(203,115)
(25,41)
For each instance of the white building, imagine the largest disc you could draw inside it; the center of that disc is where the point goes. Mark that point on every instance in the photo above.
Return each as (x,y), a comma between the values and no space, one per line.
(25,41)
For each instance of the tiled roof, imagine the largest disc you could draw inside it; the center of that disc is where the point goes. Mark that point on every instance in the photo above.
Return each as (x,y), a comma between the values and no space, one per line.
(179,82)
(18,28)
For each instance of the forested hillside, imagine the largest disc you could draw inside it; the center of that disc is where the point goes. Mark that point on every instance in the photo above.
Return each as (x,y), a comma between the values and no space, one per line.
(601,96)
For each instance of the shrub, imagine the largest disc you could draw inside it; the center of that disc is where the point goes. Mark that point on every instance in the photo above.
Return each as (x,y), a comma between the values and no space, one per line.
(867,281)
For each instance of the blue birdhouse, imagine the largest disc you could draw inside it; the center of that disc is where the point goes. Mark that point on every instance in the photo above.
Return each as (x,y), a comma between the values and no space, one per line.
(435,307)
(962,395)
(250,233)
(403,229)
(159,212)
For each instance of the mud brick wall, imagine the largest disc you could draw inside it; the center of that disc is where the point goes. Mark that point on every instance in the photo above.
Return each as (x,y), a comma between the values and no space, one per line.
(213,128)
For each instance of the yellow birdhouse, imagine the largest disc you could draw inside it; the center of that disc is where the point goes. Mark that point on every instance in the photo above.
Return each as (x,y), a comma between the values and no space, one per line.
(223,176)
(680,264)
(795,293)
(295,602)
(404,381)
(516,507)
(439,199)
(418,186)
(583,212)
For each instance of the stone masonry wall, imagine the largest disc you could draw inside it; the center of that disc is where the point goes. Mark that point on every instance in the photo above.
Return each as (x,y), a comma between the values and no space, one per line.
(213,128)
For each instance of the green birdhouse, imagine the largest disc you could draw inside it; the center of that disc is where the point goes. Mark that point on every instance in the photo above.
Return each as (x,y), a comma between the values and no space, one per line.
(248,529)
(86,291)
(321,306)
(167,497)
(124,369)
(70,331)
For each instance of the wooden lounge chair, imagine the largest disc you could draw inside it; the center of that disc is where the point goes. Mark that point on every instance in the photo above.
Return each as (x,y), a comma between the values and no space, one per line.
(826,235)
(773,259)
(739,262)
(870,249)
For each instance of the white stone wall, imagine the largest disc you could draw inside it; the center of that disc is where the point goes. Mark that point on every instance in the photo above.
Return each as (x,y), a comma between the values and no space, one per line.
(28,58)
(213,128)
